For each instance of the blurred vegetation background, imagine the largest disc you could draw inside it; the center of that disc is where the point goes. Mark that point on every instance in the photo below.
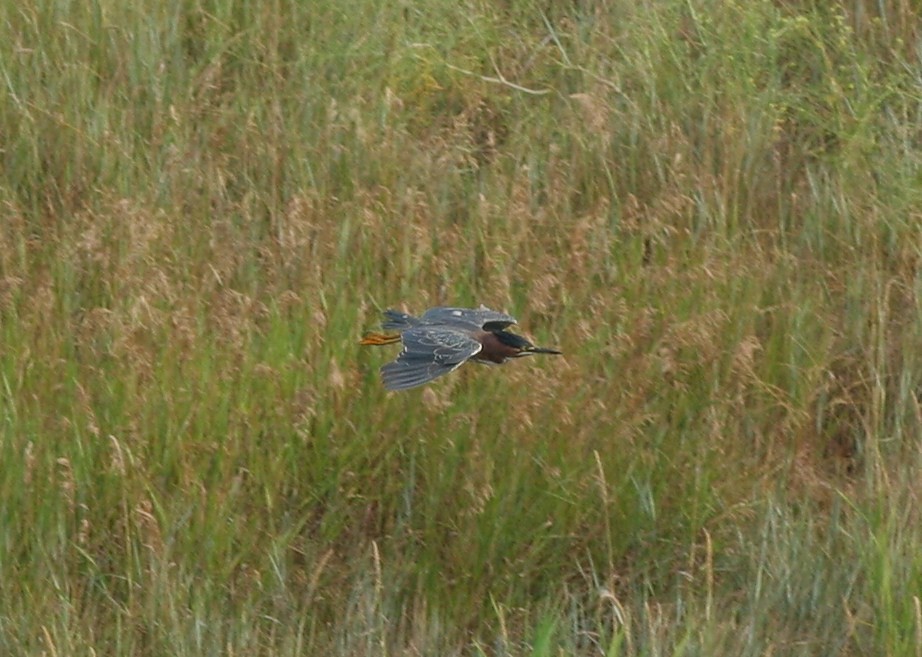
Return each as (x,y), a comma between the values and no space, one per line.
(712,206)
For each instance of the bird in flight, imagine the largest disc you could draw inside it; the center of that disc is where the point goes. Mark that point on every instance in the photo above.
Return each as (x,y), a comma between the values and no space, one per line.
(442,339)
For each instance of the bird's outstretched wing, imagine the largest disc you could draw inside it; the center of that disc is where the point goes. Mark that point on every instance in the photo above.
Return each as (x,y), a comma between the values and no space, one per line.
(428,353)
(483,317)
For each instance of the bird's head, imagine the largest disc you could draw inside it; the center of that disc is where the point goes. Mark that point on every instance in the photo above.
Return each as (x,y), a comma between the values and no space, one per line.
(521,346)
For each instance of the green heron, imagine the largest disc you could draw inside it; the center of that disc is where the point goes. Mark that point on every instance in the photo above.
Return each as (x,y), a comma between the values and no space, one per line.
(443,339)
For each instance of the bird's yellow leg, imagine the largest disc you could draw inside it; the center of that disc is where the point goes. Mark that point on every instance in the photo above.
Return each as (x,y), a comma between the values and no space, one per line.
(374,338)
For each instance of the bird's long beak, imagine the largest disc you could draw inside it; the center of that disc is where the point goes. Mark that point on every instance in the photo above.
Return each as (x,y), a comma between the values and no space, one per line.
(541,350)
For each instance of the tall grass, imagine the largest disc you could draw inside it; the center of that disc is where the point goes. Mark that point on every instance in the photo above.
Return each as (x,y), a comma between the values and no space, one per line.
(711,206)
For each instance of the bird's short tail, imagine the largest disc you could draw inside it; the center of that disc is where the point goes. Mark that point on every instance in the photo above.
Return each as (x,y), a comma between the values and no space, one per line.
(374,338)
(394,321)
(398,321)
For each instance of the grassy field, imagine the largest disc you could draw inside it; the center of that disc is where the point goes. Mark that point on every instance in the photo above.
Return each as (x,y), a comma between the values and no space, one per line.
(714,207)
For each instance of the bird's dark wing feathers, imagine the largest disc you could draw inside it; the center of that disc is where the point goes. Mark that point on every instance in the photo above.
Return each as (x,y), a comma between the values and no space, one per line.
(428,352)
(482,317)
(443,345)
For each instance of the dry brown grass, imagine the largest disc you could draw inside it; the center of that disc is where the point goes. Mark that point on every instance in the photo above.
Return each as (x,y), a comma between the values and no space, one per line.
(712,211)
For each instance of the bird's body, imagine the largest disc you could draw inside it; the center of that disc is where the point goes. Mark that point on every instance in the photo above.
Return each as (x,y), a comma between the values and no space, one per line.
(444,338)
